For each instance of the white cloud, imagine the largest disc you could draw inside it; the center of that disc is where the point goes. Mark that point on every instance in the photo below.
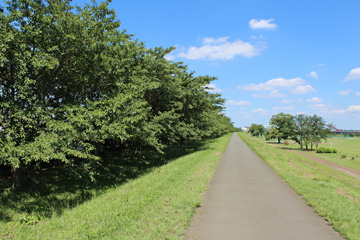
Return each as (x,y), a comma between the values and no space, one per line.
(357,93)
(314,100)
(259,37)
(284,108)
(262,24)
(212,88)
(344,92)
(287,101)
(220,48)
(352,108)
(272,94)
(354,74)
(314,74)
(273,84)
(256,87)
(303,89)
(321,65)
(318,107)
(169,57)
(210,40)
(260,110)
(236,103)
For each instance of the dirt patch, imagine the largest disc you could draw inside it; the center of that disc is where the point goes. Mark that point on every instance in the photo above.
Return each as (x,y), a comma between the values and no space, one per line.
(347,195)
(335,166)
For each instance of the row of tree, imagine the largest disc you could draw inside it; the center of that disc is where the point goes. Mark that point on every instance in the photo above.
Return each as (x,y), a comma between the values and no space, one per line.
(72,85)
(307,131)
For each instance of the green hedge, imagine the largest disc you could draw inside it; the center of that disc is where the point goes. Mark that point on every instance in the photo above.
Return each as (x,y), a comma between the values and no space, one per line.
(326,150)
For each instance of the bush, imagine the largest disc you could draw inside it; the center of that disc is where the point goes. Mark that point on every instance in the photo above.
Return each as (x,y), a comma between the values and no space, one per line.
(343,156)
(326,150)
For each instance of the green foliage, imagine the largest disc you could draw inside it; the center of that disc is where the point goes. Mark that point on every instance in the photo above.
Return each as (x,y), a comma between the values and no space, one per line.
(72,86)
(281,127)
(326,150)
(257,130)
(310,130)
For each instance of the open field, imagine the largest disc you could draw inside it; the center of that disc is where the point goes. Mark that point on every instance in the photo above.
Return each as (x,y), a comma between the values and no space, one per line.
(156,205)
(333,195)
(348,151)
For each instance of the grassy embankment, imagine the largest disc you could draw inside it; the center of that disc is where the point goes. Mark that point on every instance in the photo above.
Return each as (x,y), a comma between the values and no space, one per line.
(156,205)
(334,195)
(348,151)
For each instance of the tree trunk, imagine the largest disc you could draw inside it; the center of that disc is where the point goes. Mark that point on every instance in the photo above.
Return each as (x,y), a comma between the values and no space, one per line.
(17,175)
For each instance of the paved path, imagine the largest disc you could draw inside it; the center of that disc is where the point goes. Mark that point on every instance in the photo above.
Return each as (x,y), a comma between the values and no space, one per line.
(247,200)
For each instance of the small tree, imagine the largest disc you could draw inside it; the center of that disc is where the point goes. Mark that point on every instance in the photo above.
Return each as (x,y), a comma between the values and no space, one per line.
(310,130)
(257,130)
(281,126)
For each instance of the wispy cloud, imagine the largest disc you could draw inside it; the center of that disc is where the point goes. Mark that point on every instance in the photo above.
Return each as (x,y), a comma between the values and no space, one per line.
(314,100)
(351,109)
(273,84)
(318,107)
(295,85)
(357,93)
(287,101)
(260,110)
(220,49)
(283,108)
(262,24)
(354,74)
(238,103)
(344,92)
(314,74)
(272,94)
(210,40)
(303,89)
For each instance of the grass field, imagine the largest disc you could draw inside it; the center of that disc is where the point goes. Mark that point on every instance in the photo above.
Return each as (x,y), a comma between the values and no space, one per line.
(156,205)
(334,195)
(348,151)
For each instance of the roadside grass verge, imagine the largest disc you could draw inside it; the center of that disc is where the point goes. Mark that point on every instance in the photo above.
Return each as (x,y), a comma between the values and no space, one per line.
(348,151)
(156,205)
(333,195)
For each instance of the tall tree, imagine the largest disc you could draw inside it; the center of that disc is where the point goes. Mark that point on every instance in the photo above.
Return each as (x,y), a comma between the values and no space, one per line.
(52,56)
(71,83)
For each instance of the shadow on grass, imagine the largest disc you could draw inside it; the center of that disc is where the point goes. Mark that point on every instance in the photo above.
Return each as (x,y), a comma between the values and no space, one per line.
(52,189)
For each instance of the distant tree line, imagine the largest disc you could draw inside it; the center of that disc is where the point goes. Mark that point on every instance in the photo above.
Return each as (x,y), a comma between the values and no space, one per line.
(307,131)
(72,85)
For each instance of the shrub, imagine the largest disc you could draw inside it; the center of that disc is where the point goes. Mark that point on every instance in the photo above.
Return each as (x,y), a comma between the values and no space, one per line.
(326,150)
(343,156)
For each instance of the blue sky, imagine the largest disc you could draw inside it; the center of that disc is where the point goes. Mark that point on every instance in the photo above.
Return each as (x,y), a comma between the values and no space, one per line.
(269,56)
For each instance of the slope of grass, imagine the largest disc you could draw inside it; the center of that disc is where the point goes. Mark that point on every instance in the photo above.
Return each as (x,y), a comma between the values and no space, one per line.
(157,205)
(348,151)
(334,195)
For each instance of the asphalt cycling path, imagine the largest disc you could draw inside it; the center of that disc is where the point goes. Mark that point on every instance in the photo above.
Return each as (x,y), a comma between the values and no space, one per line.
(246,199)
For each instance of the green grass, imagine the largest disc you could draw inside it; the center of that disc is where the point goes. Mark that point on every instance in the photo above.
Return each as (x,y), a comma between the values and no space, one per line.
(334,195)
(350,147)
(157,205)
